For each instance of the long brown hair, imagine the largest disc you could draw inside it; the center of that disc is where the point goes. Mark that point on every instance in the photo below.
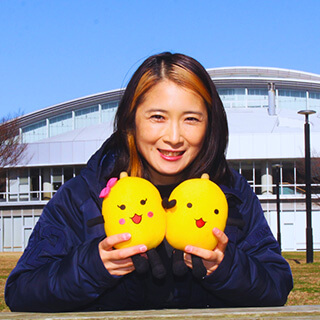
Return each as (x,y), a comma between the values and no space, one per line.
(188,73)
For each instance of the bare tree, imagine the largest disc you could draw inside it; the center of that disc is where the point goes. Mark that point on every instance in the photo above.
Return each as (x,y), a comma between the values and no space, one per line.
(11,150)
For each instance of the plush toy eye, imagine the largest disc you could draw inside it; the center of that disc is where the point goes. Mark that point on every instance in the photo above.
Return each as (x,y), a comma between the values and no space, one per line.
(143,202)
(189,205)
(122,207)
(216,211)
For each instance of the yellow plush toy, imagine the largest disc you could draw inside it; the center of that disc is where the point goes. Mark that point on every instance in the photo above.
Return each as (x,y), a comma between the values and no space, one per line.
(133,205)
(194,208)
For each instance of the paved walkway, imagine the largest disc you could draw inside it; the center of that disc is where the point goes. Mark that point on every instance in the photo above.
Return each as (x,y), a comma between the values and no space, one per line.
(290,312)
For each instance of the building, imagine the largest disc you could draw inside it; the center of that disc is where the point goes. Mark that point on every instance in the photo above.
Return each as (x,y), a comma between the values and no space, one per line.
(265,129)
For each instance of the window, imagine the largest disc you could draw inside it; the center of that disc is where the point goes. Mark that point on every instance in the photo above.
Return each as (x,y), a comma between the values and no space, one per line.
(86,117)
(3,185)
(23,185)
(56,178)
(108,111)
(292,99)
(60,124)
(35,132)
(257,98)
(34,183)
(68,173)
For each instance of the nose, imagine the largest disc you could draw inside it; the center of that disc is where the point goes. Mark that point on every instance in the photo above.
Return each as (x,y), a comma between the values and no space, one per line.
(173,134)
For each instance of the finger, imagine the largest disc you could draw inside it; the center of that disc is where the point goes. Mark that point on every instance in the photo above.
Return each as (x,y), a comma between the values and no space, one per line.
(125,253)
(202,253)
(109,242)
(119,269)
(188,260)
(222,239)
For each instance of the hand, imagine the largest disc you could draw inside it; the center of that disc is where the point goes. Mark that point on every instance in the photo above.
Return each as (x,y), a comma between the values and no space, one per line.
(118,262)
(211,259)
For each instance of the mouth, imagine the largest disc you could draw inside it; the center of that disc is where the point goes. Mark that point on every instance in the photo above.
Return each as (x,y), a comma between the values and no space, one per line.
(171,155)
(200,223)
(136,218)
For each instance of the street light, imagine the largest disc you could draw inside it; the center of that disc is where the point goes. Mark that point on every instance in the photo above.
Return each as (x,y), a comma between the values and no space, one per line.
(309,236)
(277,167)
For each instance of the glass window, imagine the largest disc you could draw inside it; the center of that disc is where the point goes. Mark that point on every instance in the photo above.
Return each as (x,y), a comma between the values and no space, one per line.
(314,100)
(288,178)
(68,173)
(246,169)
(258,92)
(35,132)
(60,124)
(13,185)
(292,99)
(233,98)
(56,178)
(3,185)
(108,111)
(46,189)
(23,185)
(86,117)
(257,98)
(34,183)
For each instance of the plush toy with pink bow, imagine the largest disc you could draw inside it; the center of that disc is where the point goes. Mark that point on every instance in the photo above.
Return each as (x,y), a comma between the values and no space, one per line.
(133,205)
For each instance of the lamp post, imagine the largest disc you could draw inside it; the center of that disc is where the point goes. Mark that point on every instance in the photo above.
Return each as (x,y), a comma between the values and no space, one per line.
(309,237)
(277,167)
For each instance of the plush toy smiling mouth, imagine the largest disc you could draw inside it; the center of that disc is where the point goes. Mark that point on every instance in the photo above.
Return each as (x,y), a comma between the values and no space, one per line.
(136,218)
(200,223)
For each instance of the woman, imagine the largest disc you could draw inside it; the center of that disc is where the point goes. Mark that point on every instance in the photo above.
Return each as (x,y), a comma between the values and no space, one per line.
(170,126)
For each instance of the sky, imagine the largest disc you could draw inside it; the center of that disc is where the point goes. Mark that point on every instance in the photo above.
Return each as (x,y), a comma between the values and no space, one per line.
(53,51)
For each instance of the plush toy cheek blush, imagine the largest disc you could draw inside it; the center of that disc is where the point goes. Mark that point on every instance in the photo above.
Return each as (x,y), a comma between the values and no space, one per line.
(133,205)
(200,206)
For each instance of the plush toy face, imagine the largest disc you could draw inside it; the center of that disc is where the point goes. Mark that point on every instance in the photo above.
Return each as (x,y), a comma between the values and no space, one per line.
(200,206)
(133,205)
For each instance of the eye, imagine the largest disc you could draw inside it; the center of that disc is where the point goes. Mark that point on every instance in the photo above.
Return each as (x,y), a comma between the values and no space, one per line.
(143,202)
(216,211)
(189,205)
(192,119)
(122,207)
(157,117)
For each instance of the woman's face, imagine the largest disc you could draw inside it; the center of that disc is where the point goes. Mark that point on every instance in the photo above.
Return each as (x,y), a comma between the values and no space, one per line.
(171,124)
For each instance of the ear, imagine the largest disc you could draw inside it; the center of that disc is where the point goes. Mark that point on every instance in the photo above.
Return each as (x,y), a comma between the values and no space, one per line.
(205,176)
(166,204)
(123,174)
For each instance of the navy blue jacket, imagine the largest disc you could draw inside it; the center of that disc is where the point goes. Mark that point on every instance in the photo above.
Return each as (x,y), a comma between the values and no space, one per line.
(61,270)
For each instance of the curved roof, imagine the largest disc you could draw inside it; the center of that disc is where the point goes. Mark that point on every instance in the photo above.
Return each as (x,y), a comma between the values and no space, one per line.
(261,76)
(223,77)
(72,105)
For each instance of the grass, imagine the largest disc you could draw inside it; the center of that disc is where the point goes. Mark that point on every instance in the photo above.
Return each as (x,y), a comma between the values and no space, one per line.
(7,262)
(306,277)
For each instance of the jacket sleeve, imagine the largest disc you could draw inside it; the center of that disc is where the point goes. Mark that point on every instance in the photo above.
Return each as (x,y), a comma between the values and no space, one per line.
(61,269)
(253,272)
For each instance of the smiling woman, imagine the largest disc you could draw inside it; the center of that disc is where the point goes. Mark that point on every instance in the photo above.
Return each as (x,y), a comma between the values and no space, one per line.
(170,127)
(171,124)
(164,83)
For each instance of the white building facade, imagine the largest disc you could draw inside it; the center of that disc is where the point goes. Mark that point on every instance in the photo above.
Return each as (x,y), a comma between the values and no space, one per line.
(265,129)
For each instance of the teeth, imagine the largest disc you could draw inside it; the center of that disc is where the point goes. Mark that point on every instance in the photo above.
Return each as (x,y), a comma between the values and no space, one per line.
(172,153)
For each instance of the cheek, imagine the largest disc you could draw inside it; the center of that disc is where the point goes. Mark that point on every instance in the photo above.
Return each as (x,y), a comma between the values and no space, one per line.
(122,221)
(150,214)
(196,142)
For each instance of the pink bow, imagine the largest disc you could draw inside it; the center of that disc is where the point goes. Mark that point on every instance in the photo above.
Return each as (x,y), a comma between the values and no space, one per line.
(105,191)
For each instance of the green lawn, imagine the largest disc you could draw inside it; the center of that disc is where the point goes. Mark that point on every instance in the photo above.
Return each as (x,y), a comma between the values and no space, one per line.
(306,277)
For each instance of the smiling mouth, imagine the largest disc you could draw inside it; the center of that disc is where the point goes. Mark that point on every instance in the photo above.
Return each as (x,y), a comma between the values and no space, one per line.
(171,154)
(200,223)
(136,218)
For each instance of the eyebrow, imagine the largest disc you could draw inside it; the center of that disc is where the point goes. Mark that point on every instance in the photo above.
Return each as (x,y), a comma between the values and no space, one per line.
(164,111)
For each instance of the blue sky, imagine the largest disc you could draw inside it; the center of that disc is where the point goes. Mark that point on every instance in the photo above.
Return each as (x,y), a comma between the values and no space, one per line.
(52,51)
